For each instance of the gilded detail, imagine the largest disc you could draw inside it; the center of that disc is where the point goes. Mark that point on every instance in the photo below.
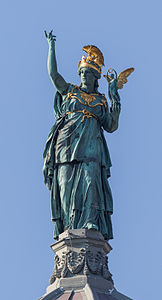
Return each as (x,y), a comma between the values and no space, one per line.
(69,95)
(94,60)
(86,114)
(121,79)
(88,98)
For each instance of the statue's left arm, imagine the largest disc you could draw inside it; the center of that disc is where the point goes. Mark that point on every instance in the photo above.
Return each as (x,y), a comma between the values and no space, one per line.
(111,120)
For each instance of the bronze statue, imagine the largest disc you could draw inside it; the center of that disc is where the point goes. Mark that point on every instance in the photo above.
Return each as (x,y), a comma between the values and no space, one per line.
(76,157)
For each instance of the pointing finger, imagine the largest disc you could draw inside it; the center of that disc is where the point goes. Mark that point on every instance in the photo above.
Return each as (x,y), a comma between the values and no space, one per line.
(45,32)
(51,32)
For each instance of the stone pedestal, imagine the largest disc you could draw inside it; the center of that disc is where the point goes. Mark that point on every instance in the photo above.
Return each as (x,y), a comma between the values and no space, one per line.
(81,268)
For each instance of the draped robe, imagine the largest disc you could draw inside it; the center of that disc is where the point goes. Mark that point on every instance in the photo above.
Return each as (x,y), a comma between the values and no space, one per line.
(77,162)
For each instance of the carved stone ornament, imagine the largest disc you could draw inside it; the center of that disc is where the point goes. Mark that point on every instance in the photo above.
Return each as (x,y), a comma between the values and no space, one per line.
(83,262)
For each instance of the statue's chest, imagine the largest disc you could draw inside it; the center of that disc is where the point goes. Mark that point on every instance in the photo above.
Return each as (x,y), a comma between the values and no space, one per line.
(85,99)
(78,99)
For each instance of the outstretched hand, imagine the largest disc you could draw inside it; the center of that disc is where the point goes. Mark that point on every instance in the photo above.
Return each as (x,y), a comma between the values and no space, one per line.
(50,37)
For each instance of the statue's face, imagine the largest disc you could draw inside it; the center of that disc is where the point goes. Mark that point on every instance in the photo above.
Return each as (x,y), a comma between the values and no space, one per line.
(87,77)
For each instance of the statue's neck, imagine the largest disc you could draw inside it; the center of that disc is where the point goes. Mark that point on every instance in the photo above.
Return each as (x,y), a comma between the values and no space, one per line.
(87,88)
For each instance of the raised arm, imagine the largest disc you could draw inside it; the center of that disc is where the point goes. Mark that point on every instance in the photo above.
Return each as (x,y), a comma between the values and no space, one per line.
(60,84)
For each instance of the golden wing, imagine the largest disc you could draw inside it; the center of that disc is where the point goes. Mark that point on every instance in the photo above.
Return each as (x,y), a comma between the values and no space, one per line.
(122,78)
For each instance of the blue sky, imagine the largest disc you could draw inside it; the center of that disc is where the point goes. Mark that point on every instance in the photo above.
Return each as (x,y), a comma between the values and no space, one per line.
(129,35)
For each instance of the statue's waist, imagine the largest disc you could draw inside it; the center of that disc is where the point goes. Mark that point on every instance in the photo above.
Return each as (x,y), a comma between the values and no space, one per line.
(86,114)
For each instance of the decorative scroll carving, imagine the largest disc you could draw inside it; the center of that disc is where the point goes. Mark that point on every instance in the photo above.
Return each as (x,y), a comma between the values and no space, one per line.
(60,269)
(75,261)
(105,270)
(83,262)
(93,261)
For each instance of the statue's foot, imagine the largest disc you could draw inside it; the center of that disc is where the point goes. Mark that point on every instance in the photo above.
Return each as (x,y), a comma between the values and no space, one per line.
(92,226)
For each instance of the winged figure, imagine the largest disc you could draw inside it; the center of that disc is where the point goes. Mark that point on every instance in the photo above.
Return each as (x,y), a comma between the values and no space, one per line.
(117,82)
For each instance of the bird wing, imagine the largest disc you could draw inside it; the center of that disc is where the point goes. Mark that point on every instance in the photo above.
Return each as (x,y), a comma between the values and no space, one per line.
(122,78)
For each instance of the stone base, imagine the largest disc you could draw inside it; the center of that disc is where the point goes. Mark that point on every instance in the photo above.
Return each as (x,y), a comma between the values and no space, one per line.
(81,268)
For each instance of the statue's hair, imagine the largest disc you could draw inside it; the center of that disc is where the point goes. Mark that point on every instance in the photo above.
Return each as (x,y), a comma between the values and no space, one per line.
(96,74)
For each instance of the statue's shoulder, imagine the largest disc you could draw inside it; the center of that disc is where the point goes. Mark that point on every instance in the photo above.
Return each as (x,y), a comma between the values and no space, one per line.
(101,95)
(72,89)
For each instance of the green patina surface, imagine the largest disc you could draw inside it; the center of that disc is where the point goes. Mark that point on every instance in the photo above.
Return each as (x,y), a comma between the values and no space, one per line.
(76,157)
